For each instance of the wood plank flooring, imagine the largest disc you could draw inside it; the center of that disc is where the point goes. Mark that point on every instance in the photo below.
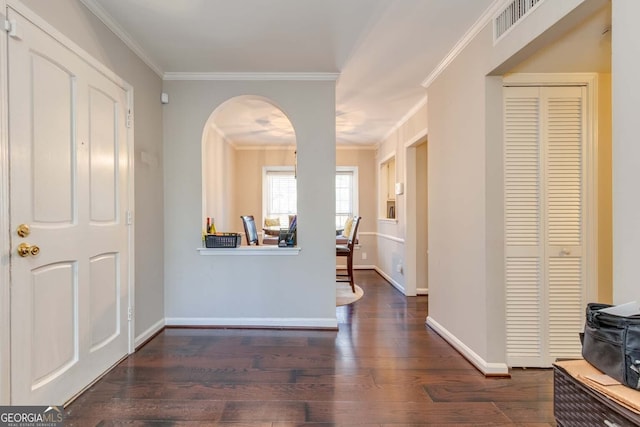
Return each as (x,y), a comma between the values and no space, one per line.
(383,367)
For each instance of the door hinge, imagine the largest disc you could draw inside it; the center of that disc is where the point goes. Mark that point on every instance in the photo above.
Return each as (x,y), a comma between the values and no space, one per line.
(129,119)
(129,217)
(130,313)
(11,27)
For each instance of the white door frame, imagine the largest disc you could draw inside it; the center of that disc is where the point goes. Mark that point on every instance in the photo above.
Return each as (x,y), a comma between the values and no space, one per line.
(5,247)
(590,81)
(5,232)
(410,217)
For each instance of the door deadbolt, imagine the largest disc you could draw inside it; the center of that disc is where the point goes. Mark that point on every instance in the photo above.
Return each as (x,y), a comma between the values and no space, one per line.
(23,230)
(25,249)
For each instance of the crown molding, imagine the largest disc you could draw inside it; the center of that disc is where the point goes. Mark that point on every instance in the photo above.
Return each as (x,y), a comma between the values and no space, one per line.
(471,33)
(266,147)
(405,118)
(126,38)
(251,76)
(355,146)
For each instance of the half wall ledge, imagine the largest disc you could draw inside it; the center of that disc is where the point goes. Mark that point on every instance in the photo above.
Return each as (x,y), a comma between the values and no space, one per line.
(250,251)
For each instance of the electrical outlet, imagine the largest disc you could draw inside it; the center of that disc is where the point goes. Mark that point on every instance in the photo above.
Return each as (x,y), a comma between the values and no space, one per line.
(364,255)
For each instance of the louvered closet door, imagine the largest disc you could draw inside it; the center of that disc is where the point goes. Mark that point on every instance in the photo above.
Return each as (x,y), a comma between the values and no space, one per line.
(544,223)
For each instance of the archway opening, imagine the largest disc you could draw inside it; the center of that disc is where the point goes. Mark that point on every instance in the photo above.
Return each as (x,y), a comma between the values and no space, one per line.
(249,167)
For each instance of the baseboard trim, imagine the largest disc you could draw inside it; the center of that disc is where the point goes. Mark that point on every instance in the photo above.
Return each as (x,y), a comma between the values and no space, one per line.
(255,322)
(422,291)
(145,336)
(488,369)
(389,279)
(357,267)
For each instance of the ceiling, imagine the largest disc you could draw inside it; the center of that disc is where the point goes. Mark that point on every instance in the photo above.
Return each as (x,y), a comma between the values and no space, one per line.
(380,50)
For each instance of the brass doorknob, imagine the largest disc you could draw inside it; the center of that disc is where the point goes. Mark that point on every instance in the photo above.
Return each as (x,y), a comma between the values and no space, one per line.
(25,249)
(23,230)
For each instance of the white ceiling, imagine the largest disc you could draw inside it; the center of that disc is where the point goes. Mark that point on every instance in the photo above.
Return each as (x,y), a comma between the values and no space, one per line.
(382,50)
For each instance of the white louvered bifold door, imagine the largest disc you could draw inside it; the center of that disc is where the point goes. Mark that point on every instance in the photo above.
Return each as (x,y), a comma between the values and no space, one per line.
(564,255)
(543,223)
(523,236)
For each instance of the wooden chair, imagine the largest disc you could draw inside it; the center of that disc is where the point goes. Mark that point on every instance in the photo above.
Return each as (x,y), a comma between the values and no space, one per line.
(347,251)
(250,230)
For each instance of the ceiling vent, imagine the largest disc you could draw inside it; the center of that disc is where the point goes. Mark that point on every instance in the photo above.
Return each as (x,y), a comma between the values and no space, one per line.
(511,14)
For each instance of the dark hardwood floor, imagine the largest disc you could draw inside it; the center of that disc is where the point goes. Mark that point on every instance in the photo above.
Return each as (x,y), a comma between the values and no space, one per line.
(384,367)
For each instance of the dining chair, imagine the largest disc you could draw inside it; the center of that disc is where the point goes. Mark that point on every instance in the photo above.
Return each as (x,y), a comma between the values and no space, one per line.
(250,230)
(347,251)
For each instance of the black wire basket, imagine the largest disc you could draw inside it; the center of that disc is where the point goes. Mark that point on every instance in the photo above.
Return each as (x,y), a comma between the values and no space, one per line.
(222,240)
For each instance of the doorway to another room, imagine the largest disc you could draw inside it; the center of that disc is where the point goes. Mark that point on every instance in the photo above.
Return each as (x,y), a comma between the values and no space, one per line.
(416,240)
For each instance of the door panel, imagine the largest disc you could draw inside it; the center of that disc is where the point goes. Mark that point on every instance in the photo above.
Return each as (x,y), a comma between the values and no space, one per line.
(523,250)
(53,107)
(565,225)
(54,342)
(69,180)
(566,310)
(103,144)
(105,286)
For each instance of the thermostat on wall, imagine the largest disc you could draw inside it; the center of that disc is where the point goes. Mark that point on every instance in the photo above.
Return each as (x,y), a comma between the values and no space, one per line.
(399,188)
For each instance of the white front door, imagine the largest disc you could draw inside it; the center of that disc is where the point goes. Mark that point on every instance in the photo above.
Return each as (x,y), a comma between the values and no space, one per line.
(69,186)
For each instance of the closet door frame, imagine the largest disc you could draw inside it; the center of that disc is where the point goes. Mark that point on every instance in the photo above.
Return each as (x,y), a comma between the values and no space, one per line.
(590,178)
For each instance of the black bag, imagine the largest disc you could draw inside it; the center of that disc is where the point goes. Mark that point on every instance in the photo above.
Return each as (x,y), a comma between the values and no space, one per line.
(612,344)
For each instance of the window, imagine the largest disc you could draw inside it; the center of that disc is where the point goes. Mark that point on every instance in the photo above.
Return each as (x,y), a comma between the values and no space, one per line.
(280,193)
(346,194)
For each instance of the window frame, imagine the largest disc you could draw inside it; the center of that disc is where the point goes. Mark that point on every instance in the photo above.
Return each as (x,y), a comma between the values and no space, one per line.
(353,170)
(355,200)
(266,170)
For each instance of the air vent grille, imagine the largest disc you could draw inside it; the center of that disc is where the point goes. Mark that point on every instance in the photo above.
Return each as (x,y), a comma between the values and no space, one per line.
(511,14)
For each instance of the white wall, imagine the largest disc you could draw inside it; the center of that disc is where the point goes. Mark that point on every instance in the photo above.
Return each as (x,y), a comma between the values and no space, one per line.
(76,22)
(391,253)
(252,290)
(456,197)
(466,273)
(626,150)
(219,163)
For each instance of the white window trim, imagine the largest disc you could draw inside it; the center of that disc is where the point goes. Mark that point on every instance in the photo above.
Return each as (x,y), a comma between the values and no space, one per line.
(265,190)
(356,185)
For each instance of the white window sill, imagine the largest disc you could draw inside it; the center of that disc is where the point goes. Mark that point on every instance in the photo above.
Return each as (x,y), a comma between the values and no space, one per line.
(251,251)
